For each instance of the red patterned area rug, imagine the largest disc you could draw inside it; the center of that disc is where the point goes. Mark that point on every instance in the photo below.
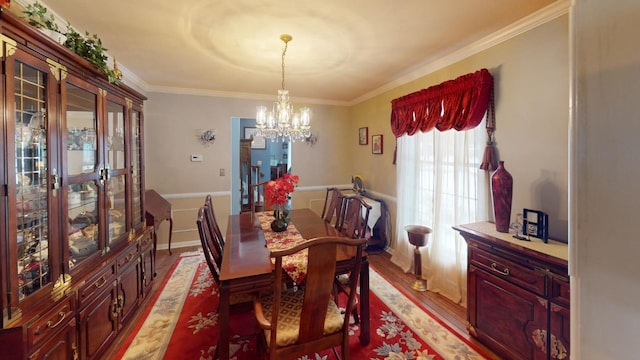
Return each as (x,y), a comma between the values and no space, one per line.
(183,324)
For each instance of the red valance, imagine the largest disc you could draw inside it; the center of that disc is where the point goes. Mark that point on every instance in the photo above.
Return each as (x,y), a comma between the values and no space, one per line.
(455,104)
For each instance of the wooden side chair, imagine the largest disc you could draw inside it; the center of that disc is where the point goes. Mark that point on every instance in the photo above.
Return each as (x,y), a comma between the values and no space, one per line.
(332,205)
(211,217)
(214,237)
(352,224)
(211,253)
(256,197)
(354,217)
(297,323)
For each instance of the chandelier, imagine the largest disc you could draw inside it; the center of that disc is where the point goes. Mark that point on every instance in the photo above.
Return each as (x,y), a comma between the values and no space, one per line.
(282,122)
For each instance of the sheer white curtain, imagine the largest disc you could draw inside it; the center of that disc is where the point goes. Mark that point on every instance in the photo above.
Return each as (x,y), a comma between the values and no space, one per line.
(440,185)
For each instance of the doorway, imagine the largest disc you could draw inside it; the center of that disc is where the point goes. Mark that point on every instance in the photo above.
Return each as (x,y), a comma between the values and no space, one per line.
(273,158)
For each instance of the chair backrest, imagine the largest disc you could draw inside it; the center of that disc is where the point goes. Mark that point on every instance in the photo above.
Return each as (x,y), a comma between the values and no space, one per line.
(210,253)
(213,222)
(214,233)
(256,197)
(354,217)
(332,205)
(318,289)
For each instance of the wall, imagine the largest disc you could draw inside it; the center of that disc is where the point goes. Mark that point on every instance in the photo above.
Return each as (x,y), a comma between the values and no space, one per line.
(532,100)
(171,124)
(532,94)
(531,77)
(605,172)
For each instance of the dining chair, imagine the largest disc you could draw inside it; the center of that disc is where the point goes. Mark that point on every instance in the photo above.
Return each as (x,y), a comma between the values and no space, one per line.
(332,205)
(354,216)
(211,217)
(297,323)
(352,224)
(238,302)
(211,253)
(214,236)
(256,197)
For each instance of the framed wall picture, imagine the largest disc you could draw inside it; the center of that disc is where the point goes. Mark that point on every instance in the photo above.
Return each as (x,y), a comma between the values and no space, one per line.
(376,144)
(363,136)
(259,142)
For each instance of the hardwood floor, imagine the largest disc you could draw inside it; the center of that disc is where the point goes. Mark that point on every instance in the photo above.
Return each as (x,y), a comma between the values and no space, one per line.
(453,314)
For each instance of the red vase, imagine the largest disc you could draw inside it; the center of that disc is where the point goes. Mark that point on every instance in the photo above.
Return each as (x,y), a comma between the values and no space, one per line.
(502,193)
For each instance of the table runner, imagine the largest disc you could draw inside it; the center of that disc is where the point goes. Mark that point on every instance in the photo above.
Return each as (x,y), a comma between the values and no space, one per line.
(295,265)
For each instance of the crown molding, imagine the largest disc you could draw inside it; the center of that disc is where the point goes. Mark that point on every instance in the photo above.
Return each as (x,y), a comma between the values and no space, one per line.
(541,17)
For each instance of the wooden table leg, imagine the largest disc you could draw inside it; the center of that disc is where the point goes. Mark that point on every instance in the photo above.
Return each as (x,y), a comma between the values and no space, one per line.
(365,336)
(223,311)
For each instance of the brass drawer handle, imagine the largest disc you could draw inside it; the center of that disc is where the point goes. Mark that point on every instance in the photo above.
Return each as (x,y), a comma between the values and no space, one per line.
(50,323)
(504,272)
(100,283)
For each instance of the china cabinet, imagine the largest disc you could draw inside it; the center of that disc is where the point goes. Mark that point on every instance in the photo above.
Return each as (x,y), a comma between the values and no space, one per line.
(518,293)
(76,257)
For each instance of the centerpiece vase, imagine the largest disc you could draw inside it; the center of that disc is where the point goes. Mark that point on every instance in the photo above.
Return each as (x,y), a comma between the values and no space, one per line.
(502,193)
(281,221)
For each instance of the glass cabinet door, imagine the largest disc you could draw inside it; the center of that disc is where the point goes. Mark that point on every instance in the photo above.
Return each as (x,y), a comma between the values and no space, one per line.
(136,168)
(116,185)
(83,189)
(29,168)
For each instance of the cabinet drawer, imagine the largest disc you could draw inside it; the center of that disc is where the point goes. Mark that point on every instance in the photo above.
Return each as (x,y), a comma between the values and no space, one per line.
(128,256)
(104,278)
(51,323)
(509,271)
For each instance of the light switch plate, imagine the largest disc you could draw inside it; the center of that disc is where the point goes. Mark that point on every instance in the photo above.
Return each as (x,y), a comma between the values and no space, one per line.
(196,157)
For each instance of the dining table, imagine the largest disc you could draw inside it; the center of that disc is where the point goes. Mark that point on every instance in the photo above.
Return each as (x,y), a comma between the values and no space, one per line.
(247,266)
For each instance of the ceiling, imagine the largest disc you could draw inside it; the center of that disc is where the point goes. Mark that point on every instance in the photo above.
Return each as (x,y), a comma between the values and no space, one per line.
(341,50)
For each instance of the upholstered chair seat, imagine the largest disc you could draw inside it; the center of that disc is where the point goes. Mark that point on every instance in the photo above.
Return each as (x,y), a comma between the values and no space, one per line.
(290,315)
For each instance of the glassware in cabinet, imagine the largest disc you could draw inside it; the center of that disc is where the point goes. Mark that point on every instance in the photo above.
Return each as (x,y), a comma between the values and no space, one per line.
(116,201)
(81,130)
(84,226)
(115,135)
(31,172)
(117,167)
(82,176)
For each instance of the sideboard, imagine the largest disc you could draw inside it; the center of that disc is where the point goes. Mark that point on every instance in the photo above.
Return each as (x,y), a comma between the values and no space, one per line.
(518,293)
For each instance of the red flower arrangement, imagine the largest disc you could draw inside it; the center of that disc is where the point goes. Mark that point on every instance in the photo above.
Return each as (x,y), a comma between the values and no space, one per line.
(277,193)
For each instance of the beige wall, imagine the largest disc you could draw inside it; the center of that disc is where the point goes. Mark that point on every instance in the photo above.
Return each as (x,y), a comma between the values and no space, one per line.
(604,244)
(171,124)
(532,95)
(532,89)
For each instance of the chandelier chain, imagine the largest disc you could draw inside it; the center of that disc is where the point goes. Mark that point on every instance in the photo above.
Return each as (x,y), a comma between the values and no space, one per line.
(284,52)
